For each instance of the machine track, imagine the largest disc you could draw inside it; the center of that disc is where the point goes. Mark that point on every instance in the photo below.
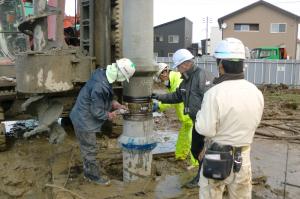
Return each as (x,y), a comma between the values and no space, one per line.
(7,89)
(2,137)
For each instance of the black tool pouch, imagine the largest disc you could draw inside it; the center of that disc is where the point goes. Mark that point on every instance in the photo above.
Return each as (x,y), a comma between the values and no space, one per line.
(217,164)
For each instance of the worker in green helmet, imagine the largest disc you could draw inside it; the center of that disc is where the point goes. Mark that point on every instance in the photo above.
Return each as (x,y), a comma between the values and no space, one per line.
(172,80)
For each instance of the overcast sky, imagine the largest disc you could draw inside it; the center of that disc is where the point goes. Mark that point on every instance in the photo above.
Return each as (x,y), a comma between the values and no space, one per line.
(198,10)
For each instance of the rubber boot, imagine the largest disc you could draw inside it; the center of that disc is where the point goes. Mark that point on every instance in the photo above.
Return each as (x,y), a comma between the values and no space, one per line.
(92,174)
(194,182)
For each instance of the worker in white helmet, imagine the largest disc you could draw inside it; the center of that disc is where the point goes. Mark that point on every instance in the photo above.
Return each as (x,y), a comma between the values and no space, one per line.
(230,113)
(171,80)
(191,90)
(95,105)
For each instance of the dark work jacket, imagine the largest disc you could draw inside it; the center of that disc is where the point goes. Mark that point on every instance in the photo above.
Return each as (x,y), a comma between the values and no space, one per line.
(93,103)
(190,91)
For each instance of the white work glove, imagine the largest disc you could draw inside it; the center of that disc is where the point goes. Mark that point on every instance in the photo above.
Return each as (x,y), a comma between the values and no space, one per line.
(116,105)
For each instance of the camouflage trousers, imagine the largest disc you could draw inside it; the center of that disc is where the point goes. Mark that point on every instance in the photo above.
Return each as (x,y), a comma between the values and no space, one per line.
(238,184)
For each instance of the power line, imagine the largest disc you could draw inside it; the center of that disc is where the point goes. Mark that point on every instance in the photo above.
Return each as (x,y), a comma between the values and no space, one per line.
(296,1)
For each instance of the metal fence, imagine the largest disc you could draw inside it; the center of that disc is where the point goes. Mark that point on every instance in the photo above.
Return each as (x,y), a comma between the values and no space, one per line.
(257,71)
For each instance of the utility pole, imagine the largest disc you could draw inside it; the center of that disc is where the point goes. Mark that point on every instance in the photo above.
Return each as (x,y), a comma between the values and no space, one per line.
(206,20)
(206,35)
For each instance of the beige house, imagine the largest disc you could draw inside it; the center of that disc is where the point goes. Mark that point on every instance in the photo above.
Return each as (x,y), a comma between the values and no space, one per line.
(298,50)
(262,24)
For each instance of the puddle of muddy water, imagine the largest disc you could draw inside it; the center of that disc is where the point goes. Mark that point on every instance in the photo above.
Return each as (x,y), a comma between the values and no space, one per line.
(269,159)
(169,187)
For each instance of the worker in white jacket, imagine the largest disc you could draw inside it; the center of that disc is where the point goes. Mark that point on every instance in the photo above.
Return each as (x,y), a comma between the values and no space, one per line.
(231,111)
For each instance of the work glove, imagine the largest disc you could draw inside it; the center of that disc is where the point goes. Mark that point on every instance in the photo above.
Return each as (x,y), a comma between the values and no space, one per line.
(116,105)
(155,107)
(122,111)
(112,115)
(154,96)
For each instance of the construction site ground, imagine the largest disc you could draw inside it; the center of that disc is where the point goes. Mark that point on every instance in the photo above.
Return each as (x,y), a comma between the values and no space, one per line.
(35,169)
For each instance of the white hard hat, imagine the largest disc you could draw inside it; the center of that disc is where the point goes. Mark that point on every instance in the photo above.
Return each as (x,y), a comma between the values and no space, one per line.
(161,68)
(181,56)
(126,67)
(230,48)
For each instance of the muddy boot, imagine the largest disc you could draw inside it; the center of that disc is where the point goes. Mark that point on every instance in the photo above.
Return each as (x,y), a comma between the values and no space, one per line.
(194,182)
(92,174)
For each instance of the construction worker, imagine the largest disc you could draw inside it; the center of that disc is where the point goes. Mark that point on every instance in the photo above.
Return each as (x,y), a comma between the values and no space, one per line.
(172,80)
(191,90)
(230,113)
(95,105)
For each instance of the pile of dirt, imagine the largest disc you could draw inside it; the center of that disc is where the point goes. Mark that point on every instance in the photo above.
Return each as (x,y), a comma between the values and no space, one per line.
(281,113)
(273,88)
(24,170)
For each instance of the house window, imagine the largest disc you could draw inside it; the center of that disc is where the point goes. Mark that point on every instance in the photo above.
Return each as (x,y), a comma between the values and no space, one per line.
(246,27)
(158,38)
(278,27)
(173,39)
(170,54)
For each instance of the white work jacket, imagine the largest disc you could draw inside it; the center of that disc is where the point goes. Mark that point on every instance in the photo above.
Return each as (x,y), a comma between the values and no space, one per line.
(230,113)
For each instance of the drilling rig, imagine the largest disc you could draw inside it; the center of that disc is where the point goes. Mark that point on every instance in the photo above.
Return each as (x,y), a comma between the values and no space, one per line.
(41,78)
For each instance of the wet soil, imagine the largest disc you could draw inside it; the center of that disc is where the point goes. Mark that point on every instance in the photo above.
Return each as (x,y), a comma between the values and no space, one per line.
(35,169)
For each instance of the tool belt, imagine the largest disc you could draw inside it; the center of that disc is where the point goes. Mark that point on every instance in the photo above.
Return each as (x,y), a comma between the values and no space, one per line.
(219,160)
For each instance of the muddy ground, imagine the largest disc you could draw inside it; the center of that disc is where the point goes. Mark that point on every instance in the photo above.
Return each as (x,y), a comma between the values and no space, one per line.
(34,169)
